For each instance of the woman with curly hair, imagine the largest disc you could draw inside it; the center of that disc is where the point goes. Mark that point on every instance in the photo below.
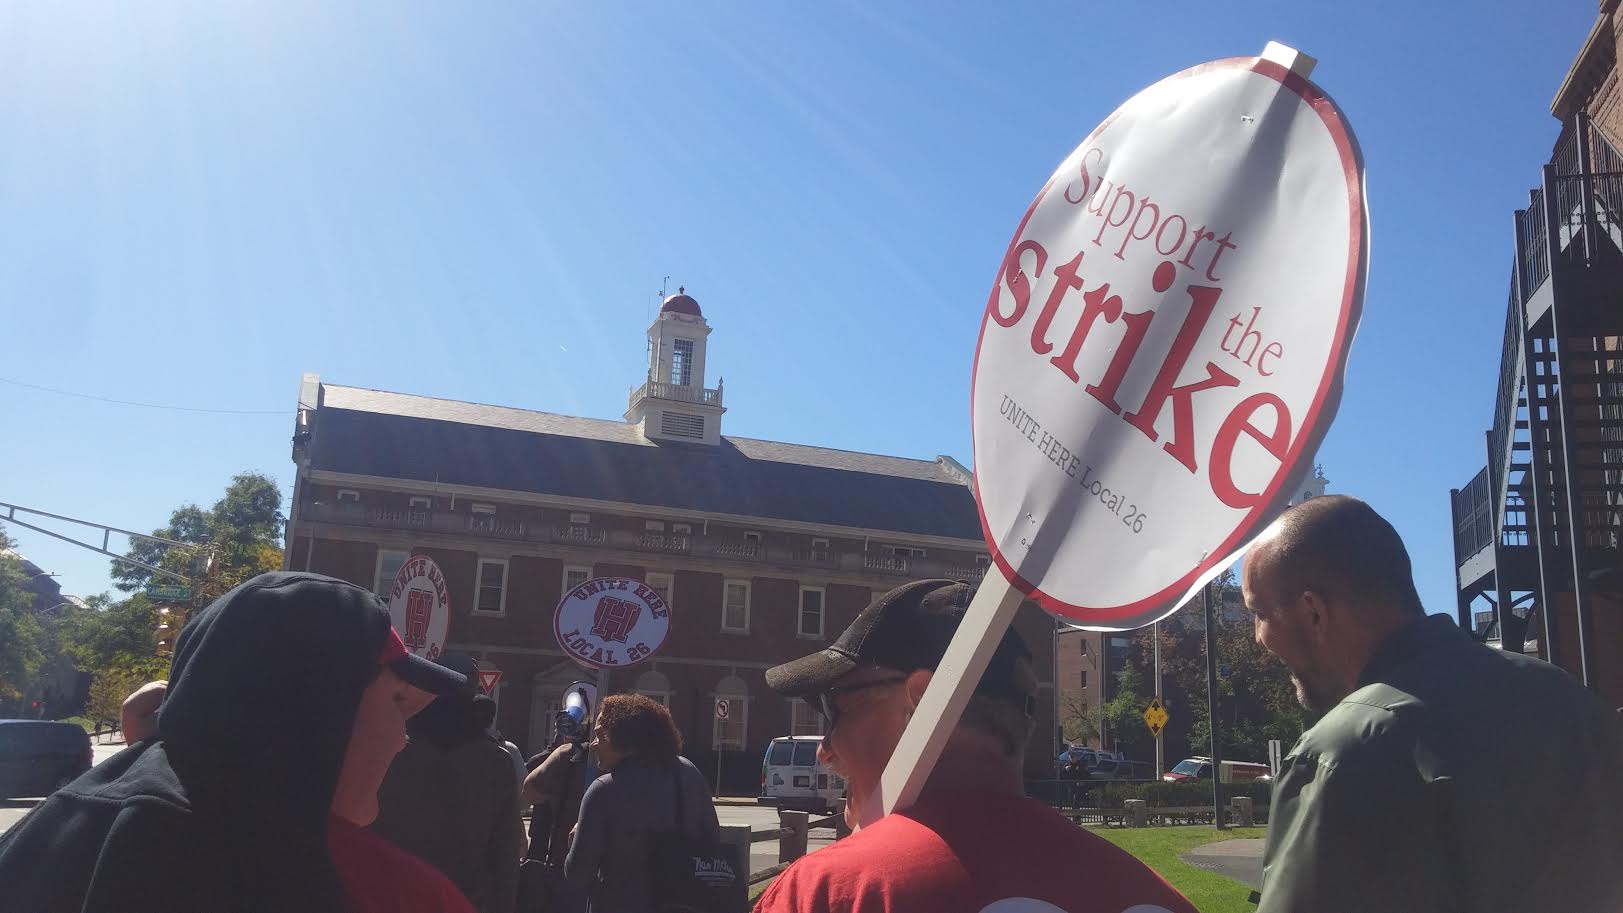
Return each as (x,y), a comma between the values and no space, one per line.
(636,743)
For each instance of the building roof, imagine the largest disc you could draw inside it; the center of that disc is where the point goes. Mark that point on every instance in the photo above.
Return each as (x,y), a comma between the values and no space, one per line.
(681,303)
(395,435)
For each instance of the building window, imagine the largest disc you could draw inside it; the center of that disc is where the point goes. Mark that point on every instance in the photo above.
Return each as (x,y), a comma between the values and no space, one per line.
(491,598)
(580,519)
(485,509)
(811,612)
(664,585)
(819,550)
(1084,679)
(348,494)
(803,720)
(388,567)
(732,733)
(575,576)
(682,529)
(752,537)
(682,362)
(654,684)
(654,526)
(735,607)
(903,551)
(420,503)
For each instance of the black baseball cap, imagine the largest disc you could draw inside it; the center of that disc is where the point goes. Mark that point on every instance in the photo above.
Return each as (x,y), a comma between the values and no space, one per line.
(420,671)
(909,628)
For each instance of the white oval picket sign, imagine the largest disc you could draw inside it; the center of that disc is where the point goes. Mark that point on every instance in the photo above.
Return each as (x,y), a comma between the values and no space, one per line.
(1166,339)
(420,606)
(609,622)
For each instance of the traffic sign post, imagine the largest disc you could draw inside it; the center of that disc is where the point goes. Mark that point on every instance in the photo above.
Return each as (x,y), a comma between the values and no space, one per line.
(1162,349)
(1155,717)
(488,679)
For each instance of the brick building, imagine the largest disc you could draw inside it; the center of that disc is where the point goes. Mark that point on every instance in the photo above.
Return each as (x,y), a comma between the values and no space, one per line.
(1538,532)
(765,550)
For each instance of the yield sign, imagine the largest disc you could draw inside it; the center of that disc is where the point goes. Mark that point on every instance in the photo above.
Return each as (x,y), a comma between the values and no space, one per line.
(488,679)
(1155,716)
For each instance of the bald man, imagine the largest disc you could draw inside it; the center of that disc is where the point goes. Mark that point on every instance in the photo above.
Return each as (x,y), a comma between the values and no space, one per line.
(1444,775)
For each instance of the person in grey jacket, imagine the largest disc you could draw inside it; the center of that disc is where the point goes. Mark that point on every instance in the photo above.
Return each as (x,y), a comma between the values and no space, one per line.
(1444,775)
(637,743)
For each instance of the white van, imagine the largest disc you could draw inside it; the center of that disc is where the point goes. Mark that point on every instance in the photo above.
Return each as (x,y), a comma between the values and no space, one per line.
(793,778)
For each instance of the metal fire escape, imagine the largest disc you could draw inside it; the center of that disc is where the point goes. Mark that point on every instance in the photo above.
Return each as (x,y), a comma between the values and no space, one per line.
(1537,532)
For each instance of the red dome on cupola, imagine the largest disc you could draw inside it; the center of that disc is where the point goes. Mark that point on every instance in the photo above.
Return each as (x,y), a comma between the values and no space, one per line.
(681,303)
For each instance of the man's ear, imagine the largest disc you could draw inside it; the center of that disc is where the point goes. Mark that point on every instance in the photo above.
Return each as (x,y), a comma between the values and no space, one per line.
(917,681)
(1316,615)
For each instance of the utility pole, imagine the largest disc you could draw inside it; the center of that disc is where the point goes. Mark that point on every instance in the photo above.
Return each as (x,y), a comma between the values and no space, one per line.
(1160,760)
(1211,709)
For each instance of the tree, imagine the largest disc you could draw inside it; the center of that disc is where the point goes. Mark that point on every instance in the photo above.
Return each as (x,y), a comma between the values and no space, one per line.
(242,533)
(1078,721)
(1123,713)
(21,636)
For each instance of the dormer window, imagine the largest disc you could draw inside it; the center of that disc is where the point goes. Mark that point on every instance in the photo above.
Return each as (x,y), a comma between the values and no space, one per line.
(348,496)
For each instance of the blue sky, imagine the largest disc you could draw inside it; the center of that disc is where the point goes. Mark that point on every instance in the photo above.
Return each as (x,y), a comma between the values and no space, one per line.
(198,202)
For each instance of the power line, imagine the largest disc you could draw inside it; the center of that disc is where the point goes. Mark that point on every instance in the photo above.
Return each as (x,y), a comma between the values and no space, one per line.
(126,402)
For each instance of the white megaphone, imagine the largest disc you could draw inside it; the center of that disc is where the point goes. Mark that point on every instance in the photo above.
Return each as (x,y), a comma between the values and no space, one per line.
(580,700)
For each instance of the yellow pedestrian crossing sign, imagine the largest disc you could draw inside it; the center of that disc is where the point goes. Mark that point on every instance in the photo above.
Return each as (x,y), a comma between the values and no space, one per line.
(1155,716)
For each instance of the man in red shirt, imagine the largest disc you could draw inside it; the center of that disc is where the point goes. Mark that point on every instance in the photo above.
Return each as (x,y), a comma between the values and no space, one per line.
(972,842)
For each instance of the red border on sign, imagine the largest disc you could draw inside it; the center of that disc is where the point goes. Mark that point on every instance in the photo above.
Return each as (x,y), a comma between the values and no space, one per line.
(558,634)
(1352,293)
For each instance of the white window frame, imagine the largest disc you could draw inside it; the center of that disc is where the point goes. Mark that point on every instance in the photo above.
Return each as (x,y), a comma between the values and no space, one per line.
(580,519)
(488,510)
(682,529)
(820,550)
(751,535)
(682,363)
(653,526)
(666,581)
(664,697)
(822,612)
(382,586)
(418,502)
(349,494)
(479,585)
(801,710)
(575,567)
(725,586)
(906,551)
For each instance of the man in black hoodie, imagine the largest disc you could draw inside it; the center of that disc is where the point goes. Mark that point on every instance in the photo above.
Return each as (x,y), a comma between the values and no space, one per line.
(286,700)
(451,798)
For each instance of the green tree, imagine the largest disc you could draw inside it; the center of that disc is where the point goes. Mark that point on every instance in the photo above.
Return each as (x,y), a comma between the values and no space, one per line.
(242,533)
(1078,721)
(1124,713)
(21,635)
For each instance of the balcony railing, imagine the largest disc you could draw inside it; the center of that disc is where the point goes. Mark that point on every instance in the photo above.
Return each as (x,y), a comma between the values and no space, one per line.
(688,394)
(720,548)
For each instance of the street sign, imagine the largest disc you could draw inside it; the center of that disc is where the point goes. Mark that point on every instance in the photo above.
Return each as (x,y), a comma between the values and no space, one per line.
(609,622)
(1156,716)
(420,606)
(488,679)
(722,709)
(168,592)
(1165,345)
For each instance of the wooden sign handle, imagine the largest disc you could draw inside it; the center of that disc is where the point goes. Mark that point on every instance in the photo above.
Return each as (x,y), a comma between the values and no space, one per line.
(960,670)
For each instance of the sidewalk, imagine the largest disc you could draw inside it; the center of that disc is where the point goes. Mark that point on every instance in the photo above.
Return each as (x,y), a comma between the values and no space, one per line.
(1239,859)
(736,801)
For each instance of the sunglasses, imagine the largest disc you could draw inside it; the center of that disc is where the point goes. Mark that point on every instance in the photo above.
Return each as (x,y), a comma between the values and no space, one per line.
(830,709)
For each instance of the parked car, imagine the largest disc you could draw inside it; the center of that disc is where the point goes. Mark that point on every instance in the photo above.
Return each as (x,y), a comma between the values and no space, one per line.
(39,757)
(1201,769)
(792,776)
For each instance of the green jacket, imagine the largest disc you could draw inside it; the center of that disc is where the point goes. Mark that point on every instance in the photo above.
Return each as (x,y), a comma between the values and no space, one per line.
(1456,778)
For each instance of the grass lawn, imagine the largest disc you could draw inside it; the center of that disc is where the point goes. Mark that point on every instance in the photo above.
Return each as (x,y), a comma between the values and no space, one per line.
(1158,847)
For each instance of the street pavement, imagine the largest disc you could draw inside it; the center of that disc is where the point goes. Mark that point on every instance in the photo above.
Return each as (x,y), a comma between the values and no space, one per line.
(1240,860)
(13,810)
